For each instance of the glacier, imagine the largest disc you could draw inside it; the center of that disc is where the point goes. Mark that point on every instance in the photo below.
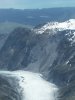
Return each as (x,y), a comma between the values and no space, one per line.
(33,86)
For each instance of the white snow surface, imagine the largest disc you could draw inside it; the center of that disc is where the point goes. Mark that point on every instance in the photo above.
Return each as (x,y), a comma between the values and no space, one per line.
(33,86)
(69,24)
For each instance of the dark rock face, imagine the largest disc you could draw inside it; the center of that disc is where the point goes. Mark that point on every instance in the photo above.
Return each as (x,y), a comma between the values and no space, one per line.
(3,38)
(63,69)
(15,47)
(8,89)
(53,55)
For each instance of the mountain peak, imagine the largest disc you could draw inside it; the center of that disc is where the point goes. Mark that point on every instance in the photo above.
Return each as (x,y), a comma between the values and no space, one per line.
(59,26)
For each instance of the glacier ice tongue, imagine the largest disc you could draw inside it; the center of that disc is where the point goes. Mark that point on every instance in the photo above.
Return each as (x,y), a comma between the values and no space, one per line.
(33,86)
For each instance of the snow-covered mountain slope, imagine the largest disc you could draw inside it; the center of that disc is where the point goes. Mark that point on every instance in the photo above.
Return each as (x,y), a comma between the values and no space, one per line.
(33,86)
(57,26)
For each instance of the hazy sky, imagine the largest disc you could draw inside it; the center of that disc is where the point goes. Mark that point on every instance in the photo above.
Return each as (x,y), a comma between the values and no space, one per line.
(27,4)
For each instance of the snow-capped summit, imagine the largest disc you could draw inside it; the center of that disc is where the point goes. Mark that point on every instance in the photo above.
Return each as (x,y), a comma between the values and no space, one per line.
(59,26)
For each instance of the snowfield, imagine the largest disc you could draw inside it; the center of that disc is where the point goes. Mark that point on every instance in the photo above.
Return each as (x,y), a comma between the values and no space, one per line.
(33,86)
(59,26)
